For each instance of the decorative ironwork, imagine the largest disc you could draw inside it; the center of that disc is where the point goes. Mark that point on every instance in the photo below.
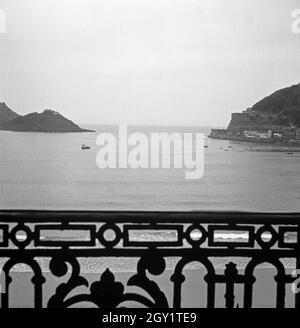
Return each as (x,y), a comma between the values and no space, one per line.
(152,238)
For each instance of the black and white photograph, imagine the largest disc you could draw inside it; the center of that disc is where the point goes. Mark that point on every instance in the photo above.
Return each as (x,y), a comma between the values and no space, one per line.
(149,156)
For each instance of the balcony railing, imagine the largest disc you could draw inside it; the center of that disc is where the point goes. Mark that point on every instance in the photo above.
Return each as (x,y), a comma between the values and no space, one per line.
(57,244)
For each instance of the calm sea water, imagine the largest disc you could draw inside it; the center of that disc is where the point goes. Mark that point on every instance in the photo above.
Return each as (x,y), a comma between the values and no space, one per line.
(50,171)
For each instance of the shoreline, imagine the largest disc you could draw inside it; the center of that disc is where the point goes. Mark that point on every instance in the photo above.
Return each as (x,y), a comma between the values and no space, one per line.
(295,147)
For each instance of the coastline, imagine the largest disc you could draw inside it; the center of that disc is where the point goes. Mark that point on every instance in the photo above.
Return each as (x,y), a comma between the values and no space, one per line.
(295,146)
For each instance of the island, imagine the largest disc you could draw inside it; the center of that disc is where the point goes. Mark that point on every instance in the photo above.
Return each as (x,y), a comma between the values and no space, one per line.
(47,121)
(274,119)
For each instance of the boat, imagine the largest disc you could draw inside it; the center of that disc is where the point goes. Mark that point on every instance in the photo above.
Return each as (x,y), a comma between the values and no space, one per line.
(84,147)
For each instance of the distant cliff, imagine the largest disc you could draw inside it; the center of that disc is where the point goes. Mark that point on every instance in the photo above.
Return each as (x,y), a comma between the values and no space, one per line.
(6,114)
(47,121)
(274,119)
(282,108)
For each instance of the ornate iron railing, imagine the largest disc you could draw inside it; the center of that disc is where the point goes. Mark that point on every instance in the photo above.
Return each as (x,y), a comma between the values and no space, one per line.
(31,237)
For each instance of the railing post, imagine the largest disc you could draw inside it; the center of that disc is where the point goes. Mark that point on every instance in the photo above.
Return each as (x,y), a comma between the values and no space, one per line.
(231,275)
(178,280)
(211,290)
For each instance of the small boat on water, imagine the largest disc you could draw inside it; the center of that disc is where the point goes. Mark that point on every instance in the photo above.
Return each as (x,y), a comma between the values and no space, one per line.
(84,147)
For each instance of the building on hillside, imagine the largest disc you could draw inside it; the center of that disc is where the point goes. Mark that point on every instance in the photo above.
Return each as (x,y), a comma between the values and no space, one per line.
(257,134)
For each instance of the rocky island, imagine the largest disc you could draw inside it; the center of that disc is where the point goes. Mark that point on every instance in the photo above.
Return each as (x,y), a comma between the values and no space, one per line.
(47,121)
(274,119)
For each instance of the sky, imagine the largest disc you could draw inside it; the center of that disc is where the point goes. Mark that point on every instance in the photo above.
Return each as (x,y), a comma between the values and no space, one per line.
(153,62)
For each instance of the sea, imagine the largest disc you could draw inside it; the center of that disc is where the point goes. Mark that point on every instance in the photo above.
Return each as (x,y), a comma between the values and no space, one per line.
(50,171)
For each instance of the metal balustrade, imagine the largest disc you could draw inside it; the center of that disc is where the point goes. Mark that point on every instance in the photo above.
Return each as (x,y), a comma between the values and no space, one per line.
(27,236)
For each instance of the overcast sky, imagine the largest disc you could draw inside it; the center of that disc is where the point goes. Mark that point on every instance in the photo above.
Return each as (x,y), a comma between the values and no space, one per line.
(174,62)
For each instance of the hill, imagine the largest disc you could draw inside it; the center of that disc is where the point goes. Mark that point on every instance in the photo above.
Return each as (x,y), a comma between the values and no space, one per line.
(281,108)
(47,121)
(6,114)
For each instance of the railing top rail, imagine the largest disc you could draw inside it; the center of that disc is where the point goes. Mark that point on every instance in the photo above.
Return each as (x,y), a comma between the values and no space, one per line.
(36,216)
